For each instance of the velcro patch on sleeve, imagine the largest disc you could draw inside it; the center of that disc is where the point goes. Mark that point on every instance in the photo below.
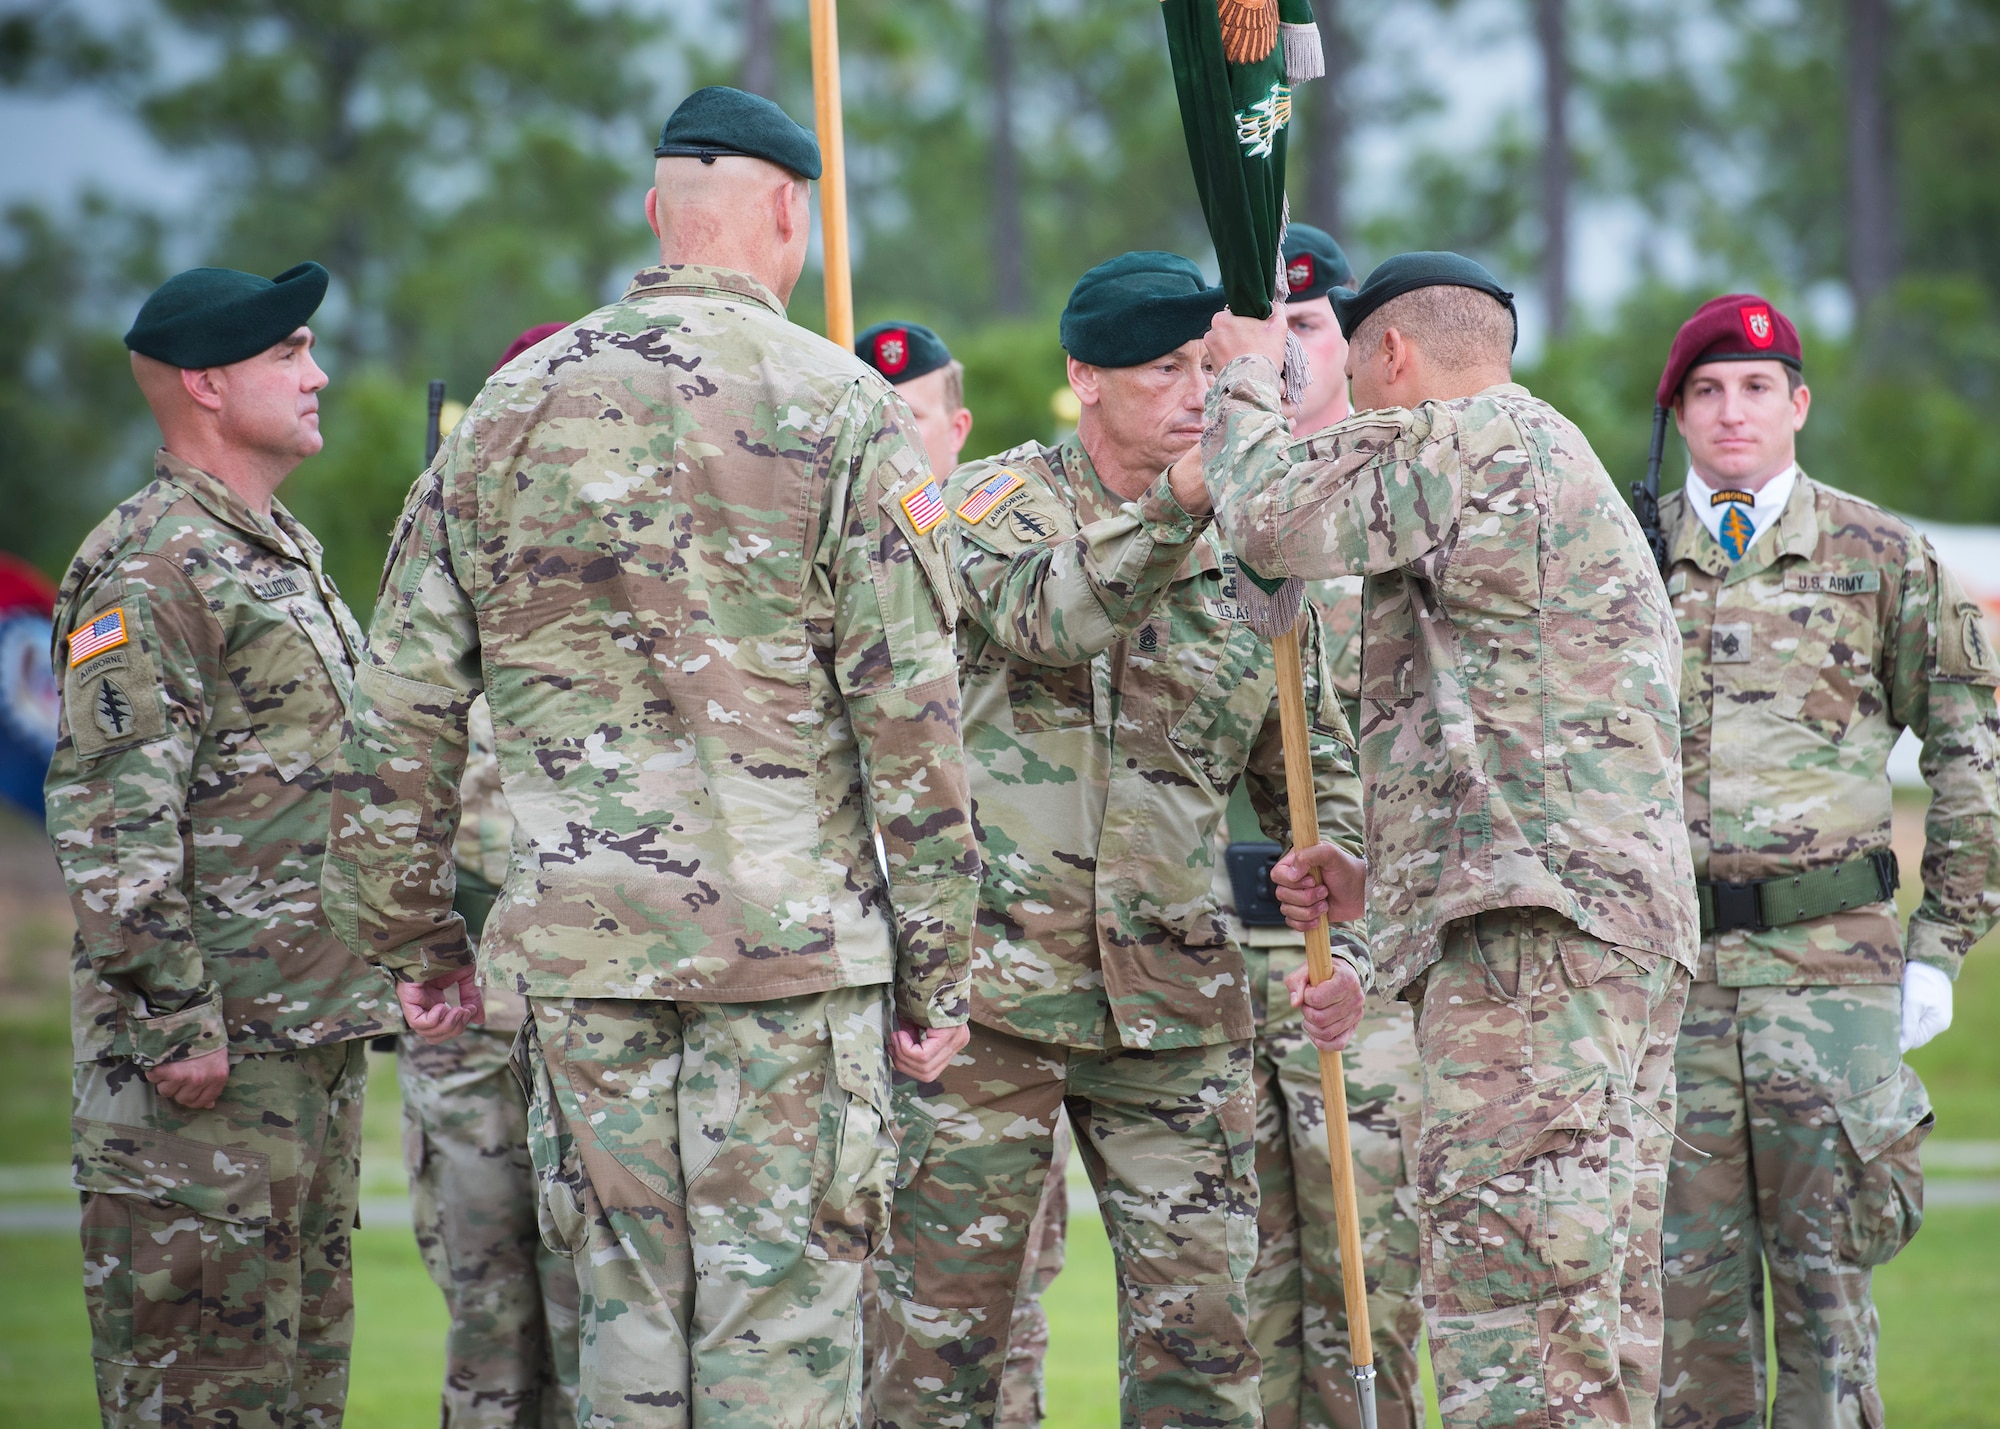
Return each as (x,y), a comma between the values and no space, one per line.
(112,699)
(989,494)
(105,632)
(924,507)
(1833,582)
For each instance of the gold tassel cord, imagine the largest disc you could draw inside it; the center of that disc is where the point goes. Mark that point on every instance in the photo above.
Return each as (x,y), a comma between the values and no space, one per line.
(1249,29)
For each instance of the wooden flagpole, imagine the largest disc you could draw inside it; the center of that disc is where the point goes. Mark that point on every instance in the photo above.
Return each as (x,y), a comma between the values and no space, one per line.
(833,173)
(1293,725)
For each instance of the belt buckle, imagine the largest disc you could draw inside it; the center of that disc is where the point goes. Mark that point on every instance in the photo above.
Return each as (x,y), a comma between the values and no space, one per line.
(1886,869)
(1736,906)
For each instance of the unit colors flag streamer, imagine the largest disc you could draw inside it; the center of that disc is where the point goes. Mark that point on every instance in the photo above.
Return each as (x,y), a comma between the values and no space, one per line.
(1235,65)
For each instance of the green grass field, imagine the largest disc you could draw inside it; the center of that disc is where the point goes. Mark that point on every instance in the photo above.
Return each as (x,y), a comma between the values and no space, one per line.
(1939,1366)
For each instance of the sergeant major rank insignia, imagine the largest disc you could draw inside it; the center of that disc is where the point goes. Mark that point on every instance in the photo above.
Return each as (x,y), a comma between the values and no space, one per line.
(989,494)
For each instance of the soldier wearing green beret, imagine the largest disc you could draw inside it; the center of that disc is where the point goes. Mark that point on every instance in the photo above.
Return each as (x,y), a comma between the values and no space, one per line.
(1815,628)
(930,379)
(685,548)
(206,661)
(1530,891)
(1315,267)
(1114,698)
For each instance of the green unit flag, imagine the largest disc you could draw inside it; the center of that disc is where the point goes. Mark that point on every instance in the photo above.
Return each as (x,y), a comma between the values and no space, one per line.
(1235,65)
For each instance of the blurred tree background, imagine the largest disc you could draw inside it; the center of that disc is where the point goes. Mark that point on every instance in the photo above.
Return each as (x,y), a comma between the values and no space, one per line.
(469,167)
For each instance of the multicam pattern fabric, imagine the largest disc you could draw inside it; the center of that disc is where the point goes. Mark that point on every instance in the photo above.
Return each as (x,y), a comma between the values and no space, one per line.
(1548,1103)
(511,1351)
(720,1173)
(1801,664)
(217,1245)
(668,545)
(1166,1135)
(1799,1134)
(1114,696)
(1520,667)
(1298,1314)
(188,797)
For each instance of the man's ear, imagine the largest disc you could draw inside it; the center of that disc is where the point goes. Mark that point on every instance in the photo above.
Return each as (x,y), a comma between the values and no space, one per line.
(202,388)
(961,425)
(1680,425)
(794,209)
(1801,405)
(1083,381)
(1397,354)
(653,212)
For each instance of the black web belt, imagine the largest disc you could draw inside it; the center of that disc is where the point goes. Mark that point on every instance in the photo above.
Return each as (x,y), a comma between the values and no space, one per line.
(1778,902)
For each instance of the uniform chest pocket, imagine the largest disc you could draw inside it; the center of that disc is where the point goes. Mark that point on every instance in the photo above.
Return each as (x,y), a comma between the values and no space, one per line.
(1221,723)
(1049,697)
(1828,676)
(285,678)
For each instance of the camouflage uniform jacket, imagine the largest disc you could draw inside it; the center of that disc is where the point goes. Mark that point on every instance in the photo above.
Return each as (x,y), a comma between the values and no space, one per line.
(188,797)
(1520,736)
(1801,664)
(1114,697)
(675,546)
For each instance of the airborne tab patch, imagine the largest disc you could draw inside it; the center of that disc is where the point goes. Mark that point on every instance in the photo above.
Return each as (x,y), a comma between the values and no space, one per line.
(989,494)
(924,507)
(1834,582)
(107,632)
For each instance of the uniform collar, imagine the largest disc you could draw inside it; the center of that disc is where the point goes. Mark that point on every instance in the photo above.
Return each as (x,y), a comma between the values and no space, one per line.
(701,278)
(280,531)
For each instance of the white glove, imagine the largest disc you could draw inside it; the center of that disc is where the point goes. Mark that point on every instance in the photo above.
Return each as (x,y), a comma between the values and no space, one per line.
(1926,1004)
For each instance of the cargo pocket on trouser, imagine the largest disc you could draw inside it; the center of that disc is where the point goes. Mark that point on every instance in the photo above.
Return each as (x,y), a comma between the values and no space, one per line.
(853,1210)
(173,1233)
(1518,1194)
(559,1213)
(1886,1124)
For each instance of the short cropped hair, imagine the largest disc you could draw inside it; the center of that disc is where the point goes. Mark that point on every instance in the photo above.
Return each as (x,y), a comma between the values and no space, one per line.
(954,385)
(1456,328)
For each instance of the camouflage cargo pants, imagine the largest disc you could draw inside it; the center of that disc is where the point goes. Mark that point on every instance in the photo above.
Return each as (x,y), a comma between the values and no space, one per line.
(510,1355)
(720,1173)
(1167,1137)
(1298,1315)
(1023,1391)
(217,1244)
(1810,1123)
(1547,1112)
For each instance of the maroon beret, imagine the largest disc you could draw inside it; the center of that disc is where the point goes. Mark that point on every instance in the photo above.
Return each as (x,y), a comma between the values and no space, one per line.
(527,340)
(1738,327)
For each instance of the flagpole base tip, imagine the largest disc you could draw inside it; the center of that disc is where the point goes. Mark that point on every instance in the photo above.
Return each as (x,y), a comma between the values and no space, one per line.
(1364,1393)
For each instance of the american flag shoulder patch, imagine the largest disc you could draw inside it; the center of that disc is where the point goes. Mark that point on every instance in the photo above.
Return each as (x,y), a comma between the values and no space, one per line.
(107,632)
(989,494)
(924,506)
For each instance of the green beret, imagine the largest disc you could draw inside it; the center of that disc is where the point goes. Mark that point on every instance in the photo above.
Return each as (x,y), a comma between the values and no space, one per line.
(902,351)
(1407,272)
(1314,264)
(211,317)
(1136,307)
(719,120)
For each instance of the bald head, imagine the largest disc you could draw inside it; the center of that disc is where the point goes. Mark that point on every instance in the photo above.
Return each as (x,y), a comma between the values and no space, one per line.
(732,212)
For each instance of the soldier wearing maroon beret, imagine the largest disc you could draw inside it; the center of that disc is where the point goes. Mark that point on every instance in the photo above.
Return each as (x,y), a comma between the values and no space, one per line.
(1815,627)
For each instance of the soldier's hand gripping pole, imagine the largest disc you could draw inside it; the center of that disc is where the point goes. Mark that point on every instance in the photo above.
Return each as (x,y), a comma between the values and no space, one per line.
(1293,725)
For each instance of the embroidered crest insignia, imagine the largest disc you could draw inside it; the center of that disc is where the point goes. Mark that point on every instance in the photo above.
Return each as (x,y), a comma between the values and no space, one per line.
(1757,325)
(1299,272)
(1258,127)
(892,350)
(1249,29)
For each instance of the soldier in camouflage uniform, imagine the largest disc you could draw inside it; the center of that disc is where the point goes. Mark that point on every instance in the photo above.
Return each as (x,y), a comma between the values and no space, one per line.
(1529,889)
(1298,1316)
(927,377)
(1815,628)
(205,661)
(510,1354)
(680,547)
(1113,699)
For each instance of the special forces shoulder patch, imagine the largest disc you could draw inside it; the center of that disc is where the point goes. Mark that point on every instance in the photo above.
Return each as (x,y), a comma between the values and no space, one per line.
(111,696)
